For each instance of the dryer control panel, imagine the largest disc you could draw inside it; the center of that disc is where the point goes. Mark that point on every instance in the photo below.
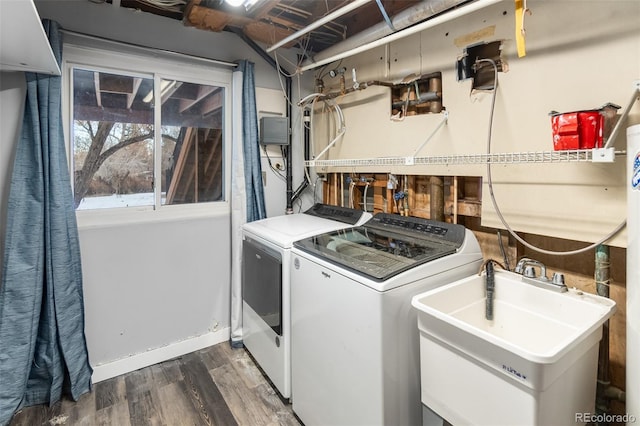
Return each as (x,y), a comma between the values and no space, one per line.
(341,214)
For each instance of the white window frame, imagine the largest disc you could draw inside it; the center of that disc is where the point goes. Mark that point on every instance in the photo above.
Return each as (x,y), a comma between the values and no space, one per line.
(158,67)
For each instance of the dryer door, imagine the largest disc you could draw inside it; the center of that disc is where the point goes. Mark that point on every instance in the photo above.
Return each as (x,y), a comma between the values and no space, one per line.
(262,282)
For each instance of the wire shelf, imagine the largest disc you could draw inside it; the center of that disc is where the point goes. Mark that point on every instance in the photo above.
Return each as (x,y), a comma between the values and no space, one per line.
(569,156)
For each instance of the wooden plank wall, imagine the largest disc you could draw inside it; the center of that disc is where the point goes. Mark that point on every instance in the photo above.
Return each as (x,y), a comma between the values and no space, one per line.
(462,205)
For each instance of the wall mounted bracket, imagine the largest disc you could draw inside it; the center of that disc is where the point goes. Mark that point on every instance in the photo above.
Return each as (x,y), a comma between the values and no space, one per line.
(625,114)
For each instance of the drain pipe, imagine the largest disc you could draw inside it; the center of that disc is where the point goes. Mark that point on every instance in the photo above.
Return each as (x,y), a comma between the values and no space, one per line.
(289,209)
(307,137)
(604,391)
(436,203)
(253,45)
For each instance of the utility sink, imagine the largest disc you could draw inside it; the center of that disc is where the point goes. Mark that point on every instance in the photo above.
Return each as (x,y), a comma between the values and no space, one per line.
(535,362)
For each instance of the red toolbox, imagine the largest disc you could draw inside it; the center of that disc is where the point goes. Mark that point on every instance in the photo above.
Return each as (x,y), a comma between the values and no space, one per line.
(580,129)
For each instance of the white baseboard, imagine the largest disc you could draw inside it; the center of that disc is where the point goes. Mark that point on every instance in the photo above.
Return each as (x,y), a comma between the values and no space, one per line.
(135,362)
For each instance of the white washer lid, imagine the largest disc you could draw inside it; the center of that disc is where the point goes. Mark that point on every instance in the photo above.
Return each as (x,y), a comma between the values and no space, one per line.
(284,230)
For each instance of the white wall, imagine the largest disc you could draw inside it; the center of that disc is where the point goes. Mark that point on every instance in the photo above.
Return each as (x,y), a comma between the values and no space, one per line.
(271,103)
(150,285)
(153,290)
(580,55)
(12,91)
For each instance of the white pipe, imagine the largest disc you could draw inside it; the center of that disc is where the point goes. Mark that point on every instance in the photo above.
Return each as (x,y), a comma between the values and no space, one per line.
(402,20)
(633,274)
(341,131)
(330,17)
(312,96)
(438,20)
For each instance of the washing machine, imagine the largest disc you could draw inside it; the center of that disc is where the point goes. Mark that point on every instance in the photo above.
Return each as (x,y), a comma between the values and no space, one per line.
(266,251)
(355,342)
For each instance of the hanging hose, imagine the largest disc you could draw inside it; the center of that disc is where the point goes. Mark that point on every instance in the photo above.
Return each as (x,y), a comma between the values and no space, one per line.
(340,123)
(493,199)
(365,196)
(490,286)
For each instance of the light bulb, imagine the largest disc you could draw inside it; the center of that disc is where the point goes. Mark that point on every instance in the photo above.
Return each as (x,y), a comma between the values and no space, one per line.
(234,3)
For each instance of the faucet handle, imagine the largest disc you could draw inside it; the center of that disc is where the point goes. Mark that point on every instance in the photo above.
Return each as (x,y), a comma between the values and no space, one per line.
(519,269)
(529,272)
(557,278)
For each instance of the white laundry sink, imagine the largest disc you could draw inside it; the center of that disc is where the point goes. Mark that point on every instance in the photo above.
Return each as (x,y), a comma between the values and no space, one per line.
(534,363)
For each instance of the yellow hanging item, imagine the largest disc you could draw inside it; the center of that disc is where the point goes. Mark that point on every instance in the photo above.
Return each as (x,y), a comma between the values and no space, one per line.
(521,8)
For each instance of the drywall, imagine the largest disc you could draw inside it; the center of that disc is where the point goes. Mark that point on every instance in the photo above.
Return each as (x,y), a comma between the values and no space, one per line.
(271,103)
(148,285)
(12,89)
(579,56)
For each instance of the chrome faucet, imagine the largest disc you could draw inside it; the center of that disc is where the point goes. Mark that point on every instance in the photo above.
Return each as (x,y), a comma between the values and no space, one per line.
(525,267)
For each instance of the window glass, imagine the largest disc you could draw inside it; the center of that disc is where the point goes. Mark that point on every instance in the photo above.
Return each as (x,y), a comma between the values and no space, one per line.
(192,148)
(115,147)
(112,140)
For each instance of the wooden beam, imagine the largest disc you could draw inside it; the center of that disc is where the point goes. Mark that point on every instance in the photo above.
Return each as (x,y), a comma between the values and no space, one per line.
(205,18)
(213,102)
(212,19)
(97,113)
(131,96)
(111,83)
(96,83)
(262,9)
(203,92)
(268,33)
(470,208)
(179,164)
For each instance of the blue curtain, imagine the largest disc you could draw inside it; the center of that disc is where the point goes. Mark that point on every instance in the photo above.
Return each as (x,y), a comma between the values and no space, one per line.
(43,350)
(252,168)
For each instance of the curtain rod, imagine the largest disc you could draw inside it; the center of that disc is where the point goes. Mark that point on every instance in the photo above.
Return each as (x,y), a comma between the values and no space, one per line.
(150,49)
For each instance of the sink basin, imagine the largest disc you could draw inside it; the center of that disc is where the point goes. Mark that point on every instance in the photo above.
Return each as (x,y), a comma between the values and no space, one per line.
(534,363)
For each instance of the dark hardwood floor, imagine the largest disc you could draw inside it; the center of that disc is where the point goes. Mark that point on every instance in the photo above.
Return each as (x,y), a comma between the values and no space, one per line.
(214,386)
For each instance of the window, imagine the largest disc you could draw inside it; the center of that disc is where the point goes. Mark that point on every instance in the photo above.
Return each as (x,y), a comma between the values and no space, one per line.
(141,138)
(191,143)
(113,140)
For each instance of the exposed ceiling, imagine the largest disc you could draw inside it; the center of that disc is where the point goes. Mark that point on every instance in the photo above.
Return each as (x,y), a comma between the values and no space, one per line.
(269,21)
(102,96)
